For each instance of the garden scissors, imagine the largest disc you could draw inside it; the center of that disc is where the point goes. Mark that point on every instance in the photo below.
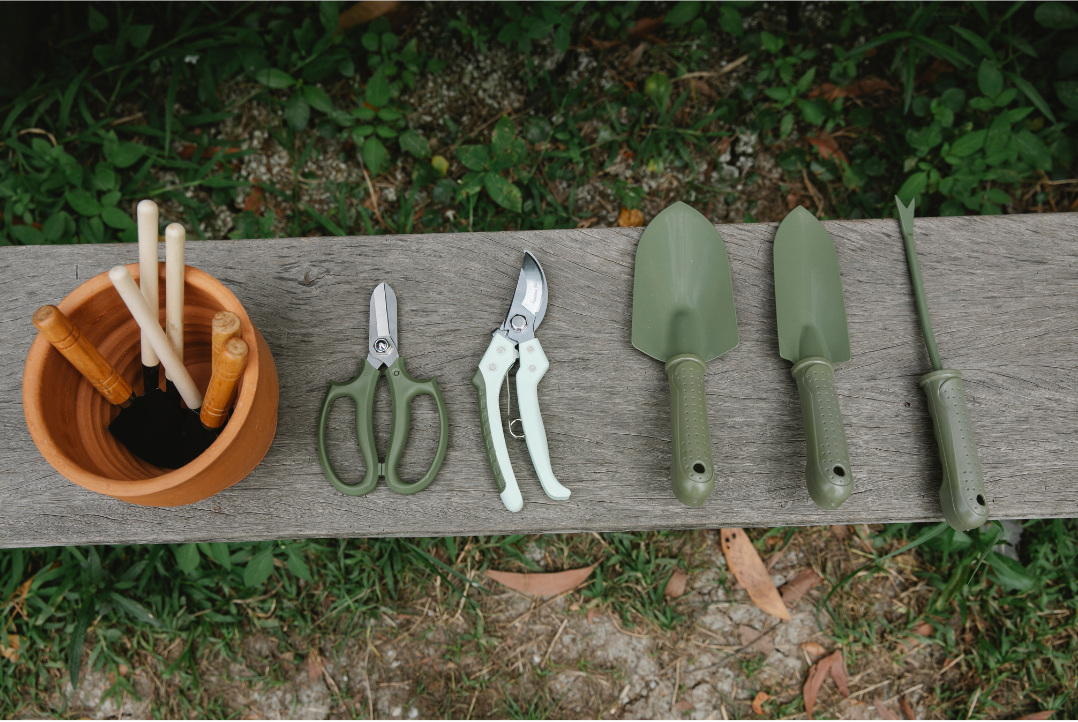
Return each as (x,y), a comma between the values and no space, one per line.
(515,339)
(383,357)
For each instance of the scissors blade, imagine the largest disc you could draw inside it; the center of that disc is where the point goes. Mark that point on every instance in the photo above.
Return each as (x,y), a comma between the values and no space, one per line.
(529,301)
(382,345)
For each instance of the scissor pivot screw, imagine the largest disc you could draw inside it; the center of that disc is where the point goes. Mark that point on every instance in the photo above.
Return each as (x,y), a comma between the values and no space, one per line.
(518,323)
(397,372)
(381,345)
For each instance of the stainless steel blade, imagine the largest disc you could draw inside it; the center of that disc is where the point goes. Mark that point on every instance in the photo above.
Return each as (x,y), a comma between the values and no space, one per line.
(382,345)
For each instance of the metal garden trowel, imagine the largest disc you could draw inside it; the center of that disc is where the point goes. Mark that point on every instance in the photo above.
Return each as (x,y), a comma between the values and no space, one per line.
(813,334)
(683,314)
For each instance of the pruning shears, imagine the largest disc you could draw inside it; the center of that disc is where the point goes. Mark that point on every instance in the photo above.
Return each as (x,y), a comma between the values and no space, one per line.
(383,358)
(515,341)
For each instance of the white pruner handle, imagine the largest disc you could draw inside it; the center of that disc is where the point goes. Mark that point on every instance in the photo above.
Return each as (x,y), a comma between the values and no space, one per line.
(488,382)
(147,215)
(533,364)
(175,239)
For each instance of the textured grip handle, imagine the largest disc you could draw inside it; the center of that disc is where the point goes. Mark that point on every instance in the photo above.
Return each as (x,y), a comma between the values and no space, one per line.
(962,494)
(488,383)
(533,365)
(403,387)
(66,338)
(226,375)
(692,468)
(830,481)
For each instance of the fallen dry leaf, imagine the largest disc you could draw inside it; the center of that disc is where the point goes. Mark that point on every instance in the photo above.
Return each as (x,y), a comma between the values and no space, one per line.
(814,650)
(644,27)
(633,57)
(629,218)
(816,675)
(758,701)
(1044,714)
(797,587)
(684,706)
(592,614)
(753,639)
(935,69)
(545,585)
(11,651)
(314,665)
(883,710)
(701,88)
(676,586)
(854,90)
(838,673)
(907,711)
(923,629)
(828,147)
(744,561)
(254,200)
(365,11)
(601,44)
(839,531)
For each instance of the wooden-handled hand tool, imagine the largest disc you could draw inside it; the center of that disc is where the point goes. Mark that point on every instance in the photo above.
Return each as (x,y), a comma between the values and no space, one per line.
(226,374)
(147,216)
(147,321)
(225,325)
(66,338)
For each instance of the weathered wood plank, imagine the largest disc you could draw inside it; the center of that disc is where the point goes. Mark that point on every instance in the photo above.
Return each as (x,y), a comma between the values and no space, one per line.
(1003,292)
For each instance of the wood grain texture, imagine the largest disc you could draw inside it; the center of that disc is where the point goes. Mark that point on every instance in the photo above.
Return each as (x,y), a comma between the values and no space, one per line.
(1003,292)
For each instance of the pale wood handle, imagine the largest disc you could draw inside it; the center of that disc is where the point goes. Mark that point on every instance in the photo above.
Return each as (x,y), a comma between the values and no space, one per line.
(225,325)
(148,322)
(226,374)
(175,237)
(68,340)
(146,213)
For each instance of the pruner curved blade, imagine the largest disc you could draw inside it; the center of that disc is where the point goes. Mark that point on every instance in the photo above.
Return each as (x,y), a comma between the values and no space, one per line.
(529,301)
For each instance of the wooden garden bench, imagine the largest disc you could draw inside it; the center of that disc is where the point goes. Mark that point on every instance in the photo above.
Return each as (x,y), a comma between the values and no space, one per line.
(1003,292)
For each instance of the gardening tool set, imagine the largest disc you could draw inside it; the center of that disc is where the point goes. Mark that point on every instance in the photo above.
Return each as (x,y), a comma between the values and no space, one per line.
(166,428)
(682,315)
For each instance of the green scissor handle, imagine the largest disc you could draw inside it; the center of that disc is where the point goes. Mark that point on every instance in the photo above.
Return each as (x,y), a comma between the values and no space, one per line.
(403,388)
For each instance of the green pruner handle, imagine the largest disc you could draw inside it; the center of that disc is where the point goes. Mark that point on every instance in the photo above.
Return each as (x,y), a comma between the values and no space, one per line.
(402,389)
(692,468)
(361,391)
(962,493)
(827,473)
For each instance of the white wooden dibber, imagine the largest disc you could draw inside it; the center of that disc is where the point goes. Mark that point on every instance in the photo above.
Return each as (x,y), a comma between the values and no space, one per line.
(175,238)
(148,322)
(146,213)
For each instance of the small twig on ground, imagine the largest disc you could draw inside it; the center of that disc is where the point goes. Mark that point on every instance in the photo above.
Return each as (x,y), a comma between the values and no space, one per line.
(553,642)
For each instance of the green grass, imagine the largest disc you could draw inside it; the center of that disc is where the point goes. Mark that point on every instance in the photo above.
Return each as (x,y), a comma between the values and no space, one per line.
(977,117)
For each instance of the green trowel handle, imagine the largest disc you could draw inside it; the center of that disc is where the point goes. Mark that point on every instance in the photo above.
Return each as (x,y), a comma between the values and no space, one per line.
(692,468)
(830,481)
(962,495)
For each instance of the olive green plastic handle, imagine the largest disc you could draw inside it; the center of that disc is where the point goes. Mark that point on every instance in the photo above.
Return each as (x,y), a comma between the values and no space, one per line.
(827,473)
(692,468)
(403,388)
(962,493)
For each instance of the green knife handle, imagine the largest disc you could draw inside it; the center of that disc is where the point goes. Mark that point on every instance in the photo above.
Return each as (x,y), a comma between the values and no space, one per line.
(830,481)
(962,494)
(692,467)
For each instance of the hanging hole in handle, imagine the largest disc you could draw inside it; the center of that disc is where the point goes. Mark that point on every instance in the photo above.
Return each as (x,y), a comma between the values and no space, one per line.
(980,499)
(698,468)
(839,471)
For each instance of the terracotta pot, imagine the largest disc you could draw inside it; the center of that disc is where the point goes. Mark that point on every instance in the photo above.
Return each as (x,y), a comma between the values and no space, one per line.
(69,420)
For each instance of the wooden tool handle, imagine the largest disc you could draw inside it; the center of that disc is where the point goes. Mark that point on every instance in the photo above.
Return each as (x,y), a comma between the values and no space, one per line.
(226,374)
(150,325)
(146,213)
(175,239)
(68,340)
(225,325)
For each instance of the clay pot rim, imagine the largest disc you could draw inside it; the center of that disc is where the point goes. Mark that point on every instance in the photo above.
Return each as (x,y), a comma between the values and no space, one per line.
(132,489)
